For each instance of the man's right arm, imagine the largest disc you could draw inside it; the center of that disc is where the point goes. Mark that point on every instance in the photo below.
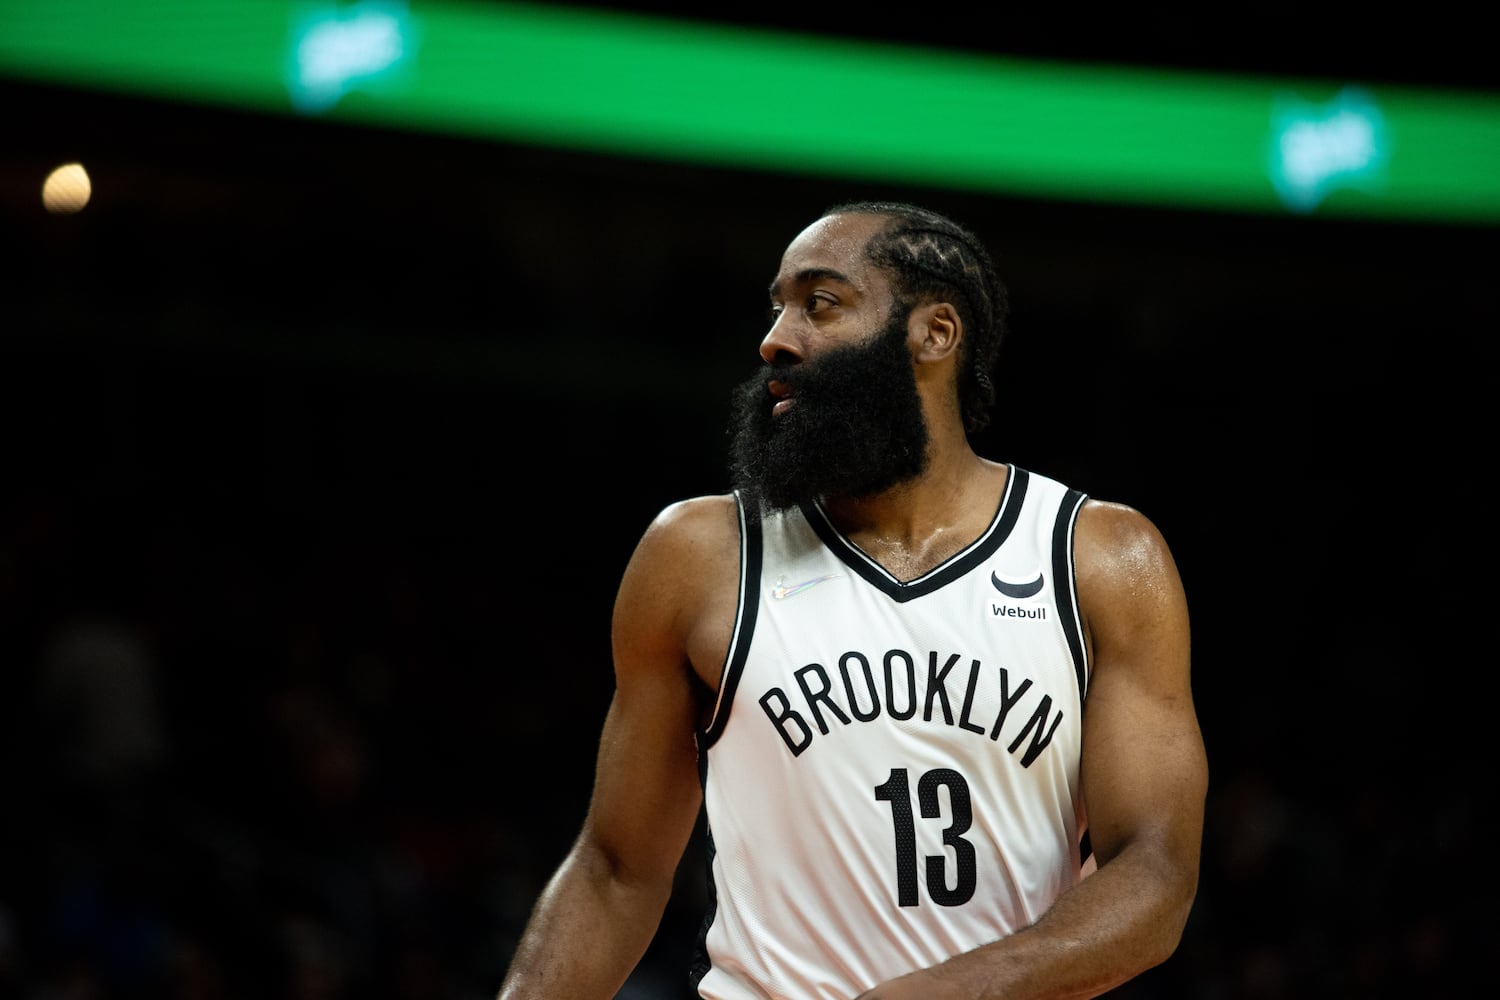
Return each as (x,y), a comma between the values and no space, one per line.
(599,912)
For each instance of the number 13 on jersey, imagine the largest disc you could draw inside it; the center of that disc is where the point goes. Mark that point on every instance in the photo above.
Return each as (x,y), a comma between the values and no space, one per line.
(897,791)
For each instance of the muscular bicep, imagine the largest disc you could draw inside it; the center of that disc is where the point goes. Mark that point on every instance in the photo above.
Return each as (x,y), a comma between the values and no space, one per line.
(1144,769)
(646,793)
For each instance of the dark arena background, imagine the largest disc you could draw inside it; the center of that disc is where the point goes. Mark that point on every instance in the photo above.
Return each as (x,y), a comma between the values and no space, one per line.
(331,417)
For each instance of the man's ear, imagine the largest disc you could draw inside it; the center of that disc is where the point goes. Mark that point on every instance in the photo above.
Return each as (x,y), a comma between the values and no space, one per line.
(935,332)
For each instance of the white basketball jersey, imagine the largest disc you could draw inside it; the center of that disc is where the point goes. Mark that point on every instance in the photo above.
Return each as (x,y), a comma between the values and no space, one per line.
(891,773)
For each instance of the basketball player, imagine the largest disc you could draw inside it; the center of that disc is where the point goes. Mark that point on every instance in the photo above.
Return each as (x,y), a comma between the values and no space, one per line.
(937,708)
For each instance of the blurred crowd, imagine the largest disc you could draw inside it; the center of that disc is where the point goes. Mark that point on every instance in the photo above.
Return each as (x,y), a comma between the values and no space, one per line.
(225,780)
(301,692)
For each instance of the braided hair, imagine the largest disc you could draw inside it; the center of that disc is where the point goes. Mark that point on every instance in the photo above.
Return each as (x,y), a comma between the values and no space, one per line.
(932,258)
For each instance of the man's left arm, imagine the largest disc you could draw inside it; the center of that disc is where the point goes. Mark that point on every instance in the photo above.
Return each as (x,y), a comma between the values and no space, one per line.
(1145,778)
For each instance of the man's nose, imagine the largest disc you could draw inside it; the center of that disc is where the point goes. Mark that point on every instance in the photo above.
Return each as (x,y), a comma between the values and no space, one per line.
(780,347)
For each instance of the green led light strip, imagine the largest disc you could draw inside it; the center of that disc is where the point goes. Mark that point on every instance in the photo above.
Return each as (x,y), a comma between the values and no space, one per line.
(698,92)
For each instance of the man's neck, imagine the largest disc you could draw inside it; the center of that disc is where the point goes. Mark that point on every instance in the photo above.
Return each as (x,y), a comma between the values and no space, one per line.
(916,526)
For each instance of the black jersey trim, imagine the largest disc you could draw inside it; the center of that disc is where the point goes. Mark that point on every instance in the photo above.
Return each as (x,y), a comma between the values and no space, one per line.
(981,549)
(1067,601)
(751,557)
(700,962)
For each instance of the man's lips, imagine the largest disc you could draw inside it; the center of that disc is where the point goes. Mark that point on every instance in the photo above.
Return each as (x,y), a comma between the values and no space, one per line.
(783,394)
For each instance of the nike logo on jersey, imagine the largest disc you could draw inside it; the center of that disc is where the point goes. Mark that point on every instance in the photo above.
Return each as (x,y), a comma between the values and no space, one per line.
(1017,590)
(781,592)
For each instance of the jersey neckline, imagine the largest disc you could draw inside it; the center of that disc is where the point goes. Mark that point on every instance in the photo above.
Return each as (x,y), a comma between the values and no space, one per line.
(955,566)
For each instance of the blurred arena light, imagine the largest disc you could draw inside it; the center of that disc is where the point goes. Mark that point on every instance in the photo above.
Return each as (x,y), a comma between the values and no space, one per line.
(696,91)
(66,189)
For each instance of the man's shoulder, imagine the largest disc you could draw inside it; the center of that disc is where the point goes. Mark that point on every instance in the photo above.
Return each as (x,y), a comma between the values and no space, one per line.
(1111,523)
(701,524)
(695,512)
(687,558)
(1117,541)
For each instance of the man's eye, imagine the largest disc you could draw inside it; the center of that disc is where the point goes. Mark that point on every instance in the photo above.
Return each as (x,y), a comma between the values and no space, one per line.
(815,303)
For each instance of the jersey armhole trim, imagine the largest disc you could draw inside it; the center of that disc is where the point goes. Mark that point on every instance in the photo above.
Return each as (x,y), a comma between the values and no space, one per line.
(744,622)
(1067,600)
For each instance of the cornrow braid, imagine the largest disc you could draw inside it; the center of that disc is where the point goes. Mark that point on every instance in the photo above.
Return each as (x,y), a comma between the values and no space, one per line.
(930,257)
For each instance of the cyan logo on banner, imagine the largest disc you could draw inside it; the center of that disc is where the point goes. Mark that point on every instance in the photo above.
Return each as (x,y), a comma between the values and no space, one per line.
(1316,149)
(335,49)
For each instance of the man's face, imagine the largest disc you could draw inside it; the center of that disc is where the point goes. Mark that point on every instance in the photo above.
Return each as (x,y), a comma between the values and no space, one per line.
(855,426)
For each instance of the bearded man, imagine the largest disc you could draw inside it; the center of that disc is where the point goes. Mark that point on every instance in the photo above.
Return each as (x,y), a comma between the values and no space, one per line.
(936,708)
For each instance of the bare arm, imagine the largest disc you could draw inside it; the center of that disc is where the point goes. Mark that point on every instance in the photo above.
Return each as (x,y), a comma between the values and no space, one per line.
(598,913)
(1145,778)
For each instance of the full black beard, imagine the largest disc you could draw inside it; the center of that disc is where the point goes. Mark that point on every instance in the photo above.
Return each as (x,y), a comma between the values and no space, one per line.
(855,429)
